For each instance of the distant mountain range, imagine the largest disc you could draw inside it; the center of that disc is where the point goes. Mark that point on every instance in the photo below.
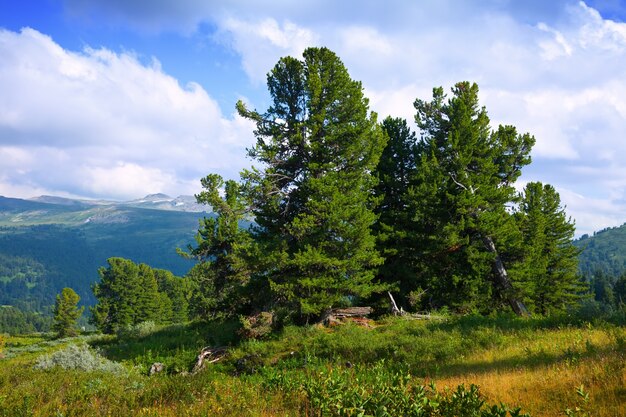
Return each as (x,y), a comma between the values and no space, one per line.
(47,242)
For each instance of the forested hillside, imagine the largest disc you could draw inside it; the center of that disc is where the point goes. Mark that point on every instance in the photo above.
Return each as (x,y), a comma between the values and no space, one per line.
(604,252)
(48,246)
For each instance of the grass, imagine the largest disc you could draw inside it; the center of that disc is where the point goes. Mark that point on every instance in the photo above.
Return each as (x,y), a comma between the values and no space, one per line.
(544,366)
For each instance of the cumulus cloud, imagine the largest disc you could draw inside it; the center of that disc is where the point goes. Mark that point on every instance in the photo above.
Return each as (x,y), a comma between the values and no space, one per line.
(555,69)
(262,43)
(99,123)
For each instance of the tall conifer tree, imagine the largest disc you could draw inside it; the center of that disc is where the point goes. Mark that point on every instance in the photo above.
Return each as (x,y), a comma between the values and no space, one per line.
(66,313)
(548,273)
(465,179)
(318,145)
(223,248)
(395,228)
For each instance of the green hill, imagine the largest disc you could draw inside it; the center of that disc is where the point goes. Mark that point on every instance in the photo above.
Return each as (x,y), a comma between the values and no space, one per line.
(47,246)
(605,251)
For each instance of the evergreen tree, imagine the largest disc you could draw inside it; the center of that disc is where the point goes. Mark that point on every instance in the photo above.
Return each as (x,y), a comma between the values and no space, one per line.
(174,303)
(220,280)
(66,313)
(117,294)
(547,274)
(128,294)
(464,183)
(602,287)
(149,305)
(395,228)
(619,291)
(318,145)
(203,297)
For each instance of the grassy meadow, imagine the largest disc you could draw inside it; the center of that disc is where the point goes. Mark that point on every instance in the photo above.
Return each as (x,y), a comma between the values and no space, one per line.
(461,366)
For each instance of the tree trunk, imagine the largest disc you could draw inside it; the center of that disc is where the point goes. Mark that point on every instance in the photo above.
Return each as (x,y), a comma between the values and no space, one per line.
(503,279)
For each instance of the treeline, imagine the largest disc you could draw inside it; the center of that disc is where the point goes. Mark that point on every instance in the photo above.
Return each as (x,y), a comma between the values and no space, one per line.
(607,291)
(605,252)
(15,321)
(346,208)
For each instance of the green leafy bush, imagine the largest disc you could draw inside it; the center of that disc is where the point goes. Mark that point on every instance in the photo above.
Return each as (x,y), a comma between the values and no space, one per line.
(380,390)
(78,357)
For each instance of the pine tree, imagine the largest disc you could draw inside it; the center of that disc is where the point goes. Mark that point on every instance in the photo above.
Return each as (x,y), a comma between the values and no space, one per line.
(148,306)
(174,303)
(395,228)
(117,294)
(548,273)
(223,249)
(318,145)
(66,313)
(464,183)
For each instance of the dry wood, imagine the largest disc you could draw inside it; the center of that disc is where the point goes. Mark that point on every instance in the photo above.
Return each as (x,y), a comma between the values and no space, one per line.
(394,307)
(209,355)
(334,315)
(351,312)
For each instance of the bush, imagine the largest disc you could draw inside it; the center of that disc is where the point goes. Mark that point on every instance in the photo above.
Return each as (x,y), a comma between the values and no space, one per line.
(380,391)
(258,326)
(79,358)
(137,331)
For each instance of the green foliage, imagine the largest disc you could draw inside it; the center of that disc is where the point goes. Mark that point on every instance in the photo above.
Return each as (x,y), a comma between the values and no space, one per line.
(604,252)
(66,313)
(137,331)
(79,357)
(173,298)
(257,326)
(219,282)
(463,186)
(547,273)
(128,294)
(381,390)
(15,321)
(318,145)
(395,228)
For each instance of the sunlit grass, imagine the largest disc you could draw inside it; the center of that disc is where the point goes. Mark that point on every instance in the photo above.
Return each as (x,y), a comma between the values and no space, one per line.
(534,364)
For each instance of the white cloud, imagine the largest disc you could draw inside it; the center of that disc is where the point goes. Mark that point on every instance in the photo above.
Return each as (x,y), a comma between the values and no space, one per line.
(555,69)
(591,214)
(262,43)
(100,123)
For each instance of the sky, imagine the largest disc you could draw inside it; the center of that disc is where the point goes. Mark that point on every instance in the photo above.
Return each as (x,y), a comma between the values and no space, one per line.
(116,99)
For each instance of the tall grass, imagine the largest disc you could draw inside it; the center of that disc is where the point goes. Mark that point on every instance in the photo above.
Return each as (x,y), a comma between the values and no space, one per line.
(542,365)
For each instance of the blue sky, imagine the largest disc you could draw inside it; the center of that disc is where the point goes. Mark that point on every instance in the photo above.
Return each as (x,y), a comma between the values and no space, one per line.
(120,98)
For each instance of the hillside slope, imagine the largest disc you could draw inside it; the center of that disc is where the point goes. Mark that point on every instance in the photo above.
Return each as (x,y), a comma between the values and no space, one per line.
(605,251)
(51,244)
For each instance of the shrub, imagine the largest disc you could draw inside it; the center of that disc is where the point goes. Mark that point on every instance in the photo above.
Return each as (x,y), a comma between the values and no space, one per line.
(80,358)
(137,331)
(258,326)
(380,391)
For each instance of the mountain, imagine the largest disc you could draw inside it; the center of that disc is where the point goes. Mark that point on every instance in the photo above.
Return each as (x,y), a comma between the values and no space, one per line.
(165,202)
(604,251)
(48,243)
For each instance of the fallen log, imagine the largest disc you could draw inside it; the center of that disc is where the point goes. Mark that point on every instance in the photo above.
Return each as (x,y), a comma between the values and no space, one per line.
(335,315)
(209,355)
